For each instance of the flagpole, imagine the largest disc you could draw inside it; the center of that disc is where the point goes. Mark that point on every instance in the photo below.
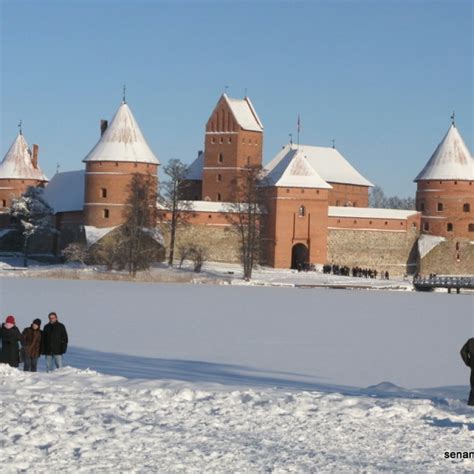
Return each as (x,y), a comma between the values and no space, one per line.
(298,134)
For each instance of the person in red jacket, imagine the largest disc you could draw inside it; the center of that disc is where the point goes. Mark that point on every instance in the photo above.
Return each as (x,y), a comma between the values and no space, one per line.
(10,336)
(467,354)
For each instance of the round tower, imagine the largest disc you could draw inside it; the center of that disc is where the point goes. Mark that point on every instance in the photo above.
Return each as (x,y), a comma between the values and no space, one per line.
(120,152)
(445,189)
(19,170)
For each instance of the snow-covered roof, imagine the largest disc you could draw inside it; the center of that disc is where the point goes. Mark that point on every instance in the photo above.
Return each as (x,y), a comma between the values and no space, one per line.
(328,163)
(18,164)
(244,113)
(94,234)
(451,160)
(194,171)
(122,141)
(65,191)
(209,206)
(293,170)
(370,212)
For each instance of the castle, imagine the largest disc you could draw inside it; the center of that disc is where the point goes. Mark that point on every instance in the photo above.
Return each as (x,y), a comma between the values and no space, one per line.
(316,202)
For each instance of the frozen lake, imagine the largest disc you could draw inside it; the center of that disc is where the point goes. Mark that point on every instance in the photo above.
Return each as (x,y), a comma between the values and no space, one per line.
(254,335)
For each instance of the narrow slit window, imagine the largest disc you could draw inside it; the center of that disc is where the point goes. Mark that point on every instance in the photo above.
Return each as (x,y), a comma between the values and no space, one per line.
(106,213)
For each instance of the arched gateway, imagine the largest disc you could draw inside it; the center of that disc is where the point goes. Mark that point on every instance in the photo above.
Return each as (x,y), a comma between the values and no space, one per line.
(299,256)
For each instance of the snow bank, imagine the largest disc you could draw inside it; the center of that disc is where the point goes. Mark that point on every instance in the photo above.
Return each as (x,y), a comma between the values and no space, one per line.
(74,420)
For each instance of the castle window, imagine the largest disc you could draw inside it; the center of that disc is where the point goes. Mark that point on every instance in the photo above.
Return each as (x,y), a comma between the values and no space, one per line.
(413,225)
(470,227)
(221,140)
(103,192)
(4,203)
(426,226)
(355,222)
(229,140)
(220,158)
(401,223)
(218,196)
(386,223)
(213,140)
(116,164)
(317,191)
(106,213)
(422,206)
(209,216)
(466,207)
(370,222)
(440,206)
(449,227)
(219,177)
(455,182)
(301,211)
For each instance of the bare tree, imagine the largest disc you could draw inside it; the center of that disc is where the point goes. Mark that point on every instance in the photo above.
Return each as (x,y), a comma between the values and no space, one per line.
(140,219)
(33,216)
(244,213)
(173,196)
(378,199)
(196,253)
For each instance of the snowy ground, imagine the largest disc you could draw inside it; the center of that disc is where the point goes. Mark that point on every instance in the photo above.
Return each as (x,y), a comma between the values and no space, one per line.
(82,421)
(234,378)
(213,272)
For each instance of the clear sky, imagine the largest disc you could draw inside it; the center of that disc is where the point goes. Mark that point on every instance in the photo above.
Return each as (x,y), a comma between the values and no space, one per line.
(381,78)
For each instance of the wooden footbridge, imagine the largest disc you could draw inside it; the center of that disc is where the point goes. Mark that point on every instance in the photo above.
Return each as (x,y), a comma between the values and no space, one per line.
(449,282)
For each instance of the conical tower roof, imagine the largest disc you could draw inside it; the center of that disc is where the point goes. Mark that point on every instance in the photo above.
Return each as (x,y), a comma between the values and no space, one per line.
(17,163)
(451,160)
(122,141)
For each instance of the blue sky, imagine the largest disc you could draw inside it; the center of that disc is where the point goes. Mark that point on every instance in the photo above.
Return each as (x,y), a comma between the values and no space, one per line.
(381,78)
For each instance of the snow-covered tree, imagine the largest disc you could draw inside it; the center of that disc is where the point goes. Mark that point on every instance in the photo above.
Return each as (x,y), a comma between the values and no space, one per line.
(33,216)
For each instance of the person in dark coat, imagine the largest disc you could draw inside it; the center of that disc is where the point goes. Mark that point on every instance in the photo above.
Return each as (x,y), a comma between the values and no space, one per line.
(10,336)
(467,354)
(54,342)
(31,346)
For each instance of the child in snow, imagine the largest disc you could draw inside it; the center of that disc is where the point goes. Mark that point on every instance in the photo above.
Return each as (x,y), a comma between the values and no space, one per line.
(10,336)
(31,346)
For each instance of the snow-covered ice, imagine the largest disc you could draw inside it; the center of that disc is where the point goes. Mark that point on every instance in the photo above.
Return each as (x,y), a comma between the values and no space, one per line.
(81,421)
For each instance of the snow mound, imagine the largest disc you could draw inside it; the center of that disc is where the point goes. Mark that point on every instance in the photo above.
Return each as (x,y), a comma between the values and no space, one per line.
(79,420)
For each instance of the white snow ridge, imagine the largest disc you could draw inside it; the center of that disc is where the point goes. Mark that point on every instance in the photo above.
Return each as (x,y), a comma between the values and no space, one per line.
(81,421)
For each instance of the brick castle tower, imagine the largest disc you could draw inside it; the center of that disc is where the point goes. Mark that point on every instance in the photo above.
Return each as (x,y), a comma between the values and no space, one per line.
(19,170)
(445,189)
(120,152)
(233,140)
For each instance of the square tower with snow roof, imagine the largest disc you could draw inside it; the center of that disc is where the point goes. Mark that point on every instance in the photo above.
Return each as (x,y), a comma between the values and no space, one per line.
(233,141)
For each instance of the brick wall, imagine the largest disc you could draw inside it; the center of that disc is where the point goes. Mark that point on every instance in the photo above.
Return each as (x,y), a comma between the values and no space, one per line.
(348,195)
(395,252)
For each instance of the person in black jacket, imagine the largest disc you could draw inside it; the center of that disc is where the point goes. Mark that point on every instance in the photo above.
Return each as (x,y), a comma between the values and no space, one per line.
(467,354)
(54,342)
(10,336)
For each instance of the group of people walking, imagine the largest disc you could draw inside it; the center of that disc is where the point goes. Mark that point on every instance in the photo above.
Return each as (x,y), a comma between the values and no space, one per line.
(356,272)
(27,346)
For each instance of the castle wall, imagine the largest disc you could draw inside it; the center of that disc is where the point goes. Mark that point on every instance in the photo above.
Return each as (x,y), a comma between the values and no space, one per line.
(392,251)
(452,257)
(413,222)
(452,196)
(348,195)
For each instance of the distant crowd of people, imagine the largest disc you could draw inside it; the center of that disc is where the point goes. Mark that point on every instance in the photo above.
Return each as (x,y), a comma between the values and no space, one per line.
(26,347)
(356,272)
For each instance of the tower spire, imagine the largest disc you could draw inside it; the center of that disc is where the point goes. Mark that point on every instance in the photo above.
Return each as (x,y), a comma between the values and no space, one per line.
(20,127)
(333,143)
(124,90)
(453,117)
